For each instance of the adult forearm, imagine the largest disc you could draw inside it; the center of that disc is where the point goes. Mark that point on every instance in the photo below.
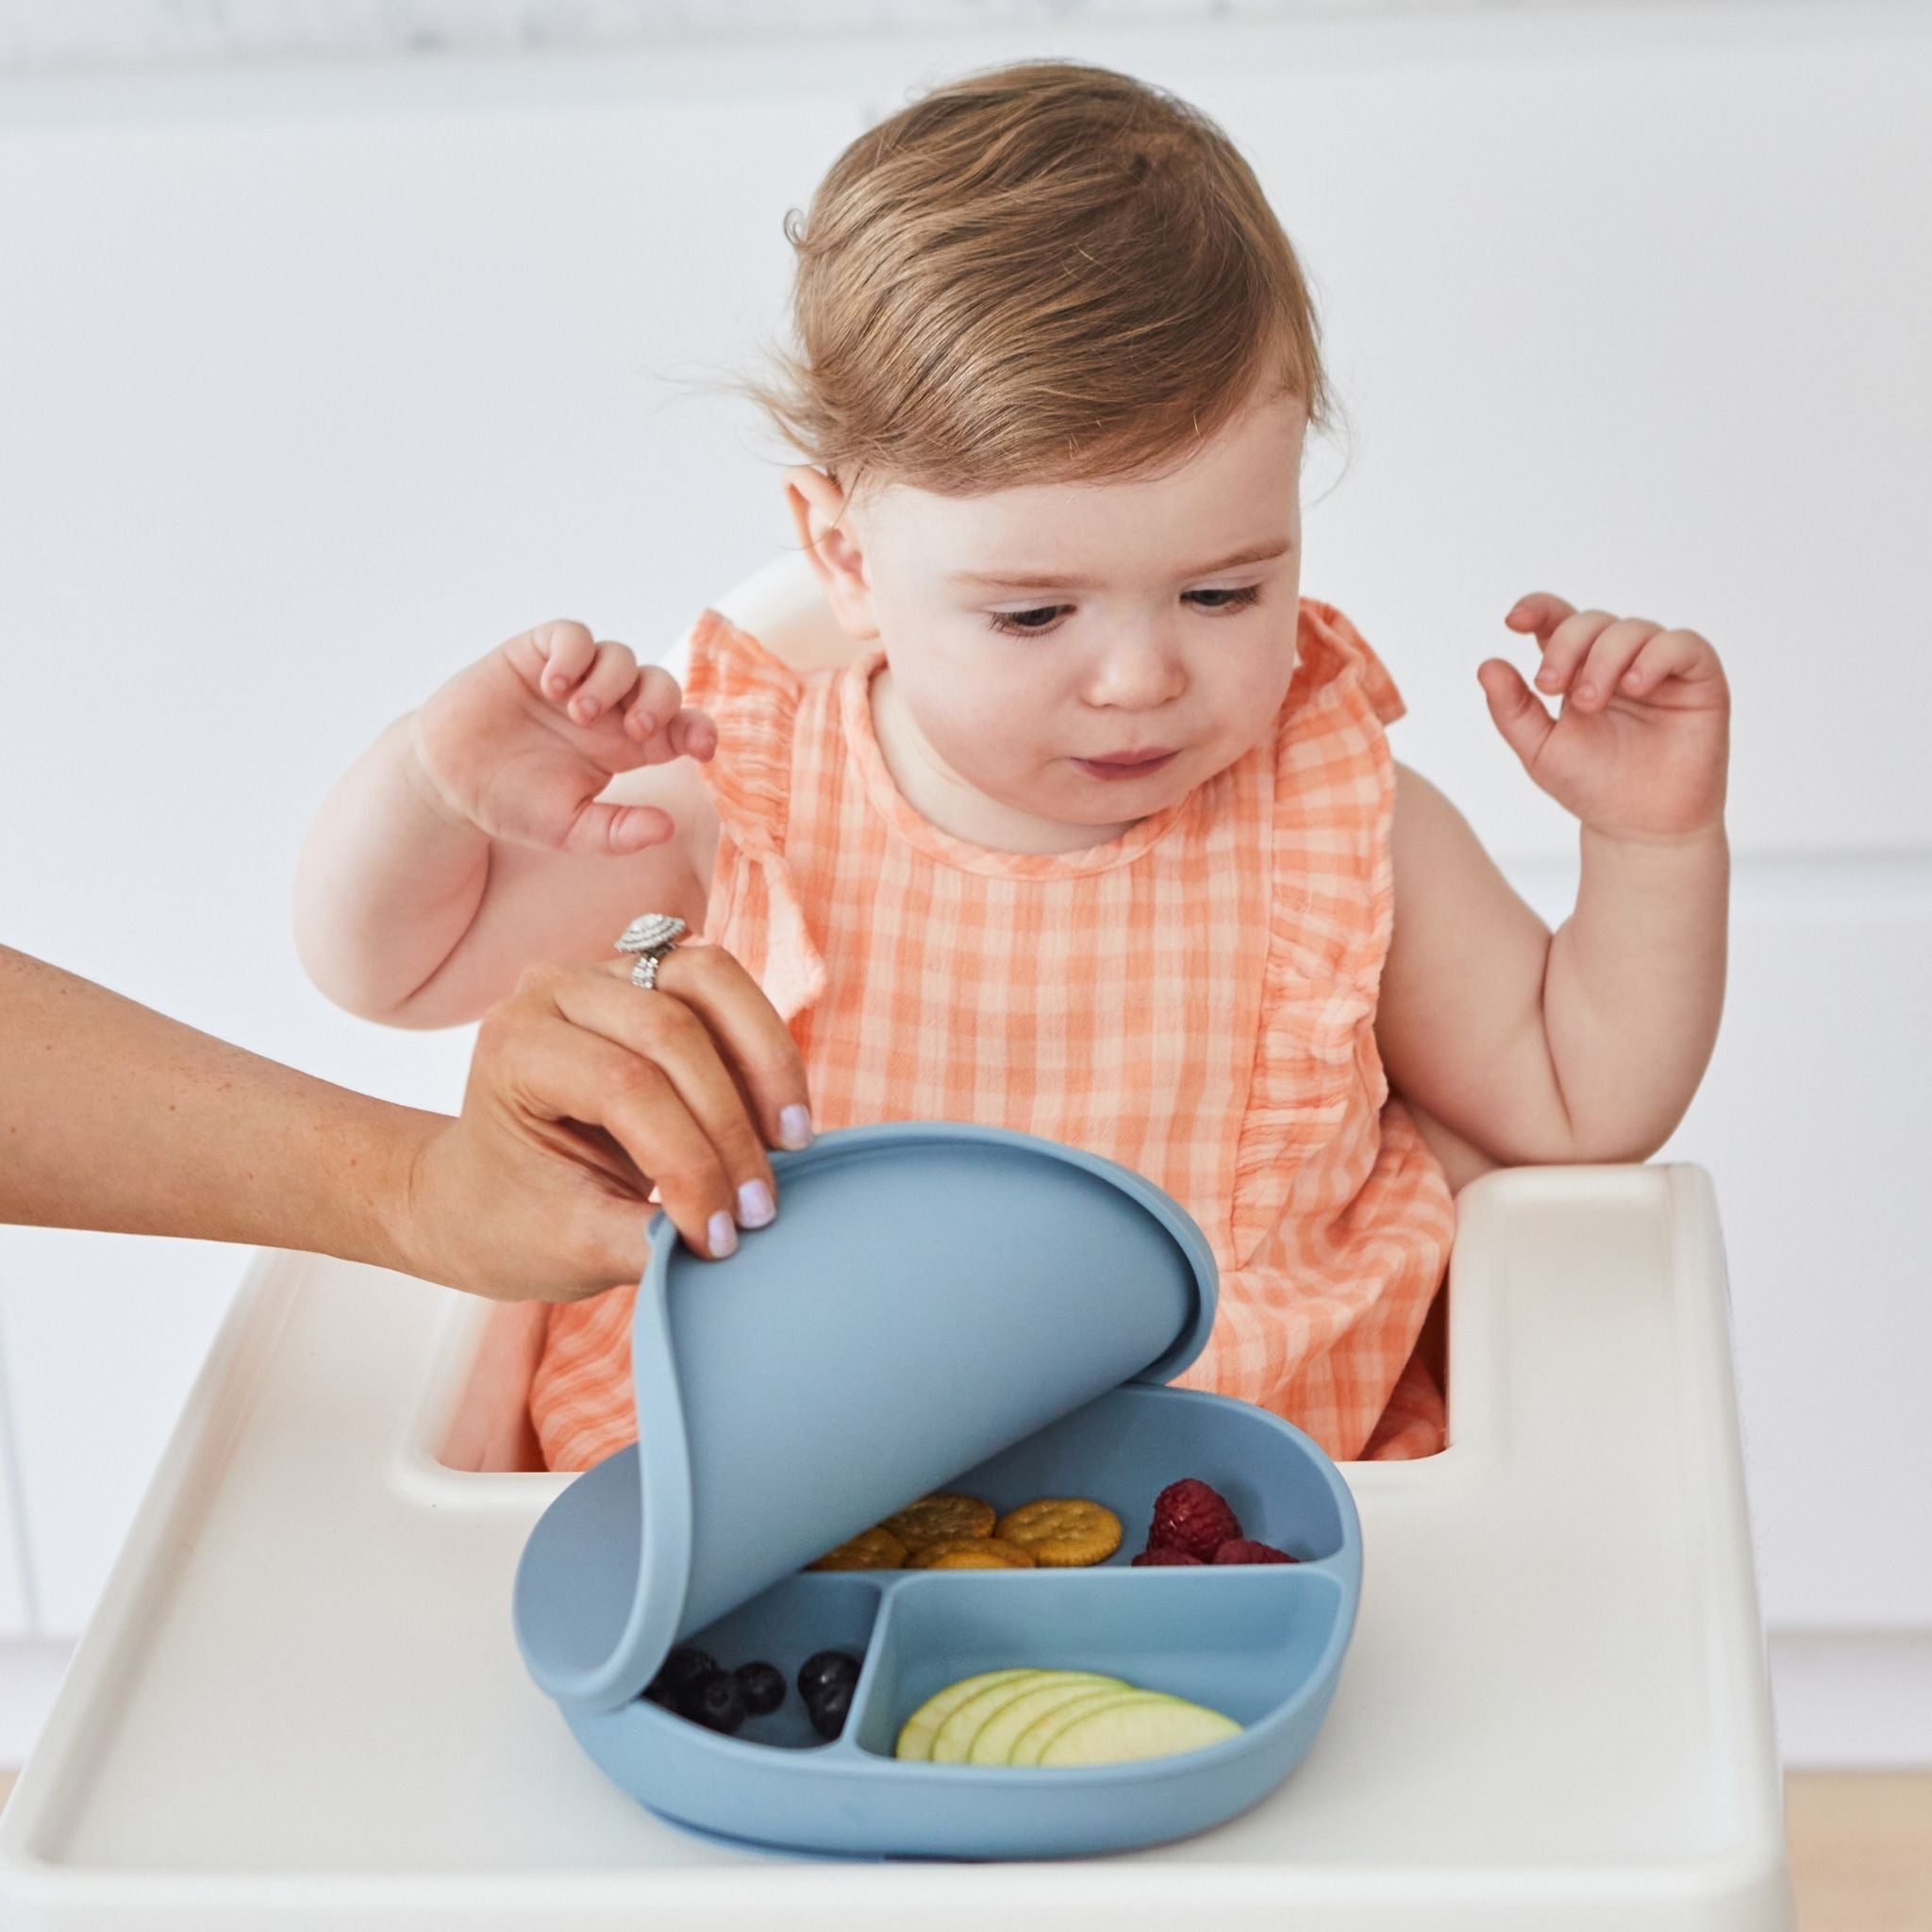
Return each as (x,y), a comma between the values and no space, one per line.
(117,1118)
(389,882)
(1634,989)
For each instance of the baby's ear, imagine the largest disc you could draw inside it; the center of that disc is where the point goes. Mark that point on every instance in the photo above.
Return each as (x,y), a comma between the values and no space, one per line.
(822,511)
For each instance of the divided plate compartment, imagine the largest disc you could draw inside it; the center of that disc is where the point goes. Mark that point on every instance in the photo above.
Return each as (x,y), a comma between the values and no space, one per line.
(1262,1643)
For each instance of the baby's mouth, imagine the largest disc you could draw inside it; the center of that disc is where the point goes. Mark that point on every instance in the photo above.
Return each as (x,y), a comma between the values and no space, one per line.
(1116,771)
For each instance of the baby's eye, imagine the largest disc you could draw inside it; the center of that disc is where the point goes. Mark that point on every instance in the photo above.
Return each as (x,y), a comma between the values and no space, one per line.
(1026,623)
(1235,600)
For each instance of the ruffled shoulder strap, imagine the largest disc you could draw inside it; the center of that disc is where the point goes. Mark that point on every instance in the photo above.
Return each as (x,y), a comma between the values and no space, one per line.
(1335,802)
(1335,659)
(752,698)
(1329,915)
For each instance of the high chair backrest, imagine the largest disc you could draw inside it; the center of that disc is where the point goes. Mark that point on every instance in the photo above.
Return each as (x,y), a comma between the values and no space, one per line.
(783,607)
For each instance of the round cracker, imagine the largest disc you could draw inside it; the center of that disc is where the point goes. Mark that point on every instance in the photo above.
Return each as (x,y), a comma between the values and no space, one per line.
(876,1548)
(1062,1532)
(940,1517)
(971,1553)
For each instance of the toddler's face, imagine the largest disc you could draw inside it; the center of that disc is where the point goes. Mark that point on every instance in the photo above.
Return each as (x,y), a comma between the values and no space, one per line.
(1036,629)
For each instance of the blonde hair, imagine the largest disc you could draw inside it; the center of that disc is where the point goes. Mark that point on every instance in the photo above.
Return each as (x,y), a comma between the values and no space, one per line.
(1041,273)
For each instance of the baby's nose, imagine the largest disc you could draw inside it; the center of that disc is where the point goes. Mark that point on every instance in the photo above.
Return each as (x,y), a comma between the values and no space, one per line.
(1141,665)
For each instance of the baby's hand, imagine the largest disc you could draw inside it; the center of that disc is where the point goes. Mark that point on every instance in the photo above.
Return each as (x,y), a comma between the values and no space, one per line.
(522,742)
(1641,745)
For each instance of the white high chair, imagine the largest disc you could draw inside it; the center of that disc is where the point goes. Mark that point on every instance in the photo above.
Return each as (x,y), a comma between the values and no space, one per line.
(299,1703)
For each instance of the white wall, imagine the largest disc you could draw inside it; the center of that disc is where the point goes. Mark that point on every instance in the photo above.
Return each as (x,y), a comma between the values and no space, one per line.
(315,383)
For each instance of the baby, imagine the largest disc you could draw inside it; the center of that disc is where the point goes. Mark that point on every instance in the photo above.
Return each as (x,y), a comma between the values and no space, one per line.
(1097,836)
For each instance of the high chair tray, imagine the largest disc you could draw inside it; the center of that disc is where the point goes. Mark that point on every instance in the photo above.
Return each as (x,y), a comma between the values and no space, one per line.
(300,1703)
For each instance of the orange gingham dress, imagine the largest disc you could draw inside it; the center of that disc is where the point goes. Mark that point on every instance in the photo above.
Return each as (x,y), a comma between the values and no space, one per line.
(1194,999)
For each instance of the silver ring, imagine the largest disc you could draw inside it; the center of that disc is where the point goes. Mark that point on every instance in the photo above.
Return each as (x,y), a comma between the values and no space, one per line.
(651,935)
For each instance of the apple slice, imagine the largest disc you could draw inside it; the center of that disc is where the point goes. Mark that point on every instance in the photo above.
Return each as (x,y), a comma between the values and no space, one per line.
(1033,1741)
(992,1743)
(918,1730)
(1151,1725)
(953,1743)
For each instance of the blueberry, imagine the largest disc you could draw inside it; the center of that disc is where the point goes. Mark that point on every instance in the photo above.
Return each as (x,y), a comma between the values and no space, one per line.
(823,1668)
(831,1707)
(763,1688)
(715,1702)
(685,1663)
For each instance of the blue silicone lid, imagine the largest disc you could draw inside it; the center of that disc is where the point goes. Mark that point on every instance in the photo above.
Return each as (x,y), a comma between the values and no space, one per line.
(931,1293)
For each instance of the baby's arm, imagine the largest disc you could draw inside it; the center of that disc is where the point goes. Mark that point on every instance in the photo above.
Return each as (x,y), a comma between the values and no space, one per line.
(1587,1044)
(528,811)
(1461,1160)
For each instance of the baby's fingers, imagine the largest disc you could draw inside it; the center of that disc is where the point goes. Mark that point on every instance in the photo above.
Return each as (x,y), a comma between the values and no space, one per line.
(1566,648)
(1557,626)
(1609,656)
(653,704)
(606,686)
(558,654)
(1669,654)
(693,735)
(1542,611)
(658,707)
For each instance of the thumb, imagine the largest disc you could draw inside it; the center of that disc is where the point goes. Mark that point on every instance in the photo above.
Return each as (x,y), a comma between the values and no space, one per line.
(612,1237)
(599,830)
(1519,714)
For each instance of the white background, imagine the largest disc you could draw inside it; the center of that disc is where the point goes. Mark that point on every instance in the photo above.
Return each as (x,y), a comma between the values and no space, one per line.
(318,379)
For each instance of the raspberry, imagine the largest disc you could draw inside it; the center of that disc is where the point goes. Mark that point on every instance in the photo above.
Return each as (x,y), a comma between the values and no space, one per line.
(1160,1559)
(1191,1517)
(1242,1549)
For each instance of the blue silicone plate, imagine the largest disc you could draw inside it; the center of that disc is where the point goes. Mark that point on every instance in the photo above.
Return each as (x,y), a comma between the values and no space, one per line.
(1262,1644)
(938,1306)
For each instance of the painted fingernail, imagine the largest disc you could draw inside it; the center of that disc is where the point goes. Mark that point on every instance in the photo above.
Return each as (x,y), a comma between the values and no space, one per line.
(794,1127)
(755,1204)
(724,1237)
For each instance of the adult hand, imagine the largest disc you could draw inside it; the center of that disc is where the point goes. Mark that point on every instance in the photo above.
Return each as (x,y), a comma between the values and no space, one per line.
(587,1091)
